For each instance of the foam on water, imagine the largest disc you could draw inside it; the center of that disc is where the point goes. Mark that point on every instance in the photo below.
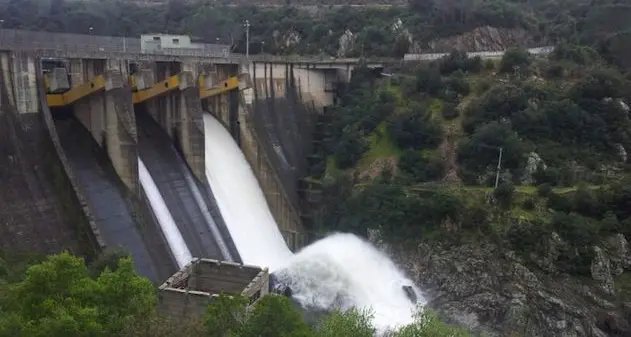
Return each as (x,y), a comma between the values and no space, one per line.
(339,271)
(342,271)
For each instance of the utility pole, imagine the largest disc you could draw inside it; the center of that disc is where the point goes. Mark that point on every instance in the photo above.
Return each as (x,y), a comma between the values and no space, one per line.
(247,39)
(499,167)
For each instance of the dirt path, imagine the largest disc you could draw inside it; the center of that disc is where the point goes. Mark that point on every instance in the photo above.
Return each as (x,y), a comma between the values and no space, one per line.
(448,153)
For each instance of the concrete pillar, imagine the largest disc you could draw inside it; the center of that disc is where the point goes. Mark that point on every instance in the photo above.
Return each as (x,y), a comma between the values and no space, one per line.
(20,78)
(179,113)
(191,124)
(77,72)
(108,115)
(120,128)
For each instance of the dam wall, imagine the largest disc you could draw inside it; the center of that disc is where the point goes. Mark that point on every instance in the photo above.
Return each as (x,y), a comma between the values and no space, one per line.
(276,122)
(41,210)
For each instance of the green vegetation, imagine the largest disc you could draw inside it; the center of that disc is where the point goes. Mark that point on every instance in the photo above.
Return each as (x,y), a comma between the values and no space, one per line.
(61,297)
(290,30)
(560,137)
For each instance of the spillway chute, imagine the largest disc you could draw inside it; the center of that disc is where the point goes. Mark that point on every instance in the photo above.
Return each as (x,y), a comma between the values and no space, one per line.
(338,272)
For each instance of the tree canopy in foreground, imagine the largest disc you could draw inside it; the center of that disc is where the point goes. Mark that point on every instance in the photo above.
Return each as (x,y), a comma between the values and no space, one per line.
(62,297)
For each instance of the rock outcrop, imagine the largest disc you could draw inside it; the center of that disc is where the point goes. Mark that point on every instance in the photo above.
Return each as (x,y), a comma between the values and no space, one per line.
(493,291)
(485,38)
(346,43)
(286,40)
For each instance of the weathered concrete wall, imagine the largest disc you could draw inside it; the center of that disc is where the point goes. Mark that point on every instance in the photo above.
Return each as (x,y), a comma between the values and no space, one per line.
(22,78)
(189,291)
(66,181)
(41,209)
(285,213)
(313,85)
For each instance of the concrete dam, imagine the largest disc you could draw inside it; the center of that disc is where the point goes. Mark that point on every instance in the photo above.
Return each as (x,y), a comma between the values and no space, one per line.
(191,163)
(86,137)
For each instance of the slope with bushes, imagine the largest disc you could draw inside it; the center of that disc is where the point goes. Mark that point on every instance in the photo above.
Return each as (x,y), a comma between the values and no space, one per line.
(561,126)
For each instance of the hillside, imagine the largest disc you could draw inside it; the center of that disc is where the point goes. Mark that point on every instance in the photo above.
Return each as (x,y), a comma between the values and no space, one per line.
(415,158)
(421,26)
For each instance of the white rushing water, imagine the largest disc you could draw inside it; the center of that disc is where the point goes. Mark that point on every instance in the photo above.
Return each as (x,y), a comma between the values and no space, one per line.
(241,201)
(339,271)
(163,215)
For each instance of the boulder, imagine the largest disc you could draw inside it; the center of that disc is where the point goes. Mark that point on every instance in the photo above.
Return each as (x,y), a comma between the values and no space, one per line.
(601,271)
(410,293)
(613,325)
(618,253)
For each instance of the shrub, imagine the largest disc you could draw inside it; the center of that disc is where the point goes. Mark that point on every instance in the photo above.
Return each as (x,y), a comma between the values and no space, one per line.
(350,149)
(415,129)
(457,83)
(544,190)
(577,230)
(475,217)
(504,195)
(419,167)
(489,65)
(428,80)
(501,101)
(582,55)
(481,151)
(450,111)
(459,61)
(554,70)
(525,237)
(529,204)
(586,203)
(559,203)
(550,176)
(515,60)
(482,85)
(473,64)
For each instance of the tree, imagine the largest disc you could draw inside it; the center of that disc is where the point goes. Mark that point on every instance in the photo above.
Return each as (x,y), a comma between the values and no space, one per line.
(428,80)
(274,316)
(501,101)
(515,60)
(420,168)
(353,322)
(481,151)
(59,298)
(225,315)
(504,195)
(427,324)
(415,129)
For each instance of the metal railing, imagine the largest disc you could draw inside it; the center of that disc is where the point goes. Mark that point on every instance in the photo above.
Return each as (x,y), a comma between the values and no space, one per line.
(60,43)
(482,54)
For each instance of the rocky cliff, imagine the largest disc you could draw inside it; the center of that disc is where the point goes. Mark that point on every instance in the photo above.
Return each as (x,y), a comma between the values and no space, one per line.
(485,38)
(494,291)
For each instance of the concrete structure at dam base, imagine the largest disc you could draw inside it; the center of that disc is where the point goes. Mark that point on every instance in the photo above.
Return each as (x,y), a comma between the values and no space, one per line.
(192,289)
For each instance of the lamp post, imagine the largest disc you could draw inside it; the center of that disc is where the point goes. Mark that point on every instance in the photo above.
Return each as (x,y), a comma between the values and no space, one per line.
(247,39)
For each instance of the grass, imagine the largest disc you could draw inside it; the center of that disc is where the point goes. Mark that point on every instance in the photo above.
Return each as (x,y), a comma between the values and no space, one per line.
(436,108)
(530,190)
(380,145)
(331,167)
